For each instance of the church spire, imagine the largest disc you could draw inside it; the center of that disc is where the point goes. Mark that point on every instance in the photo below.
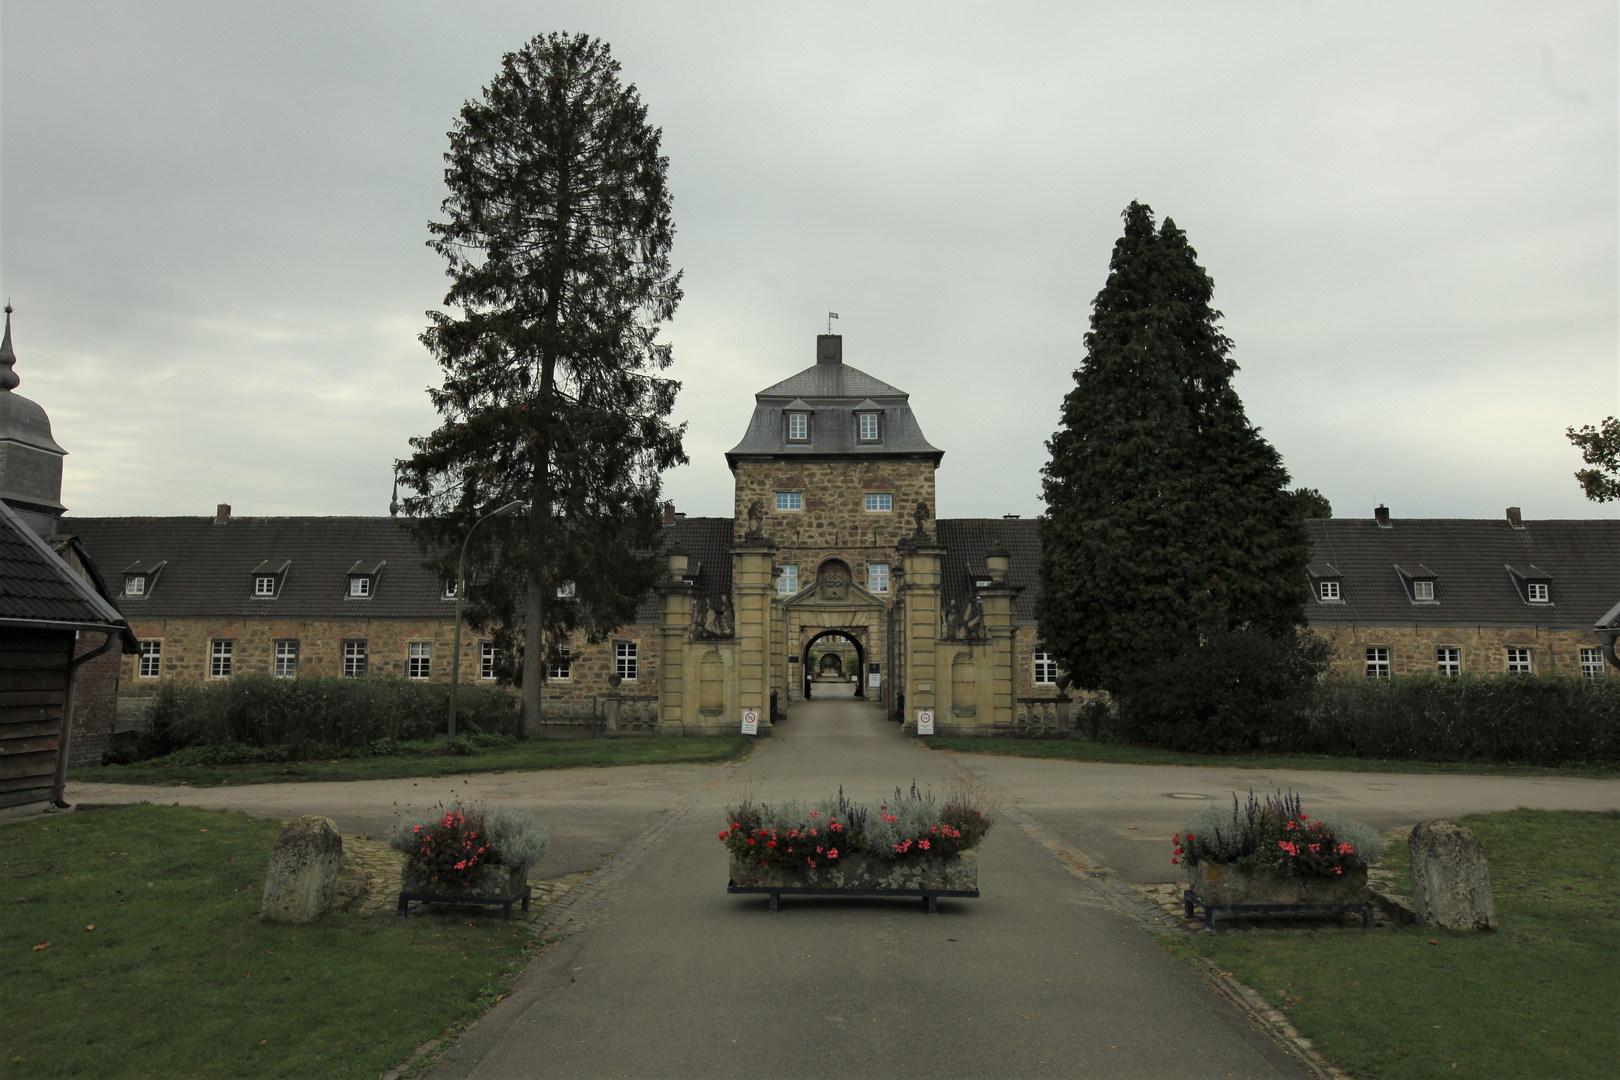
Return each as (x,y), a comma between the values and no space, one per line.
(8,377)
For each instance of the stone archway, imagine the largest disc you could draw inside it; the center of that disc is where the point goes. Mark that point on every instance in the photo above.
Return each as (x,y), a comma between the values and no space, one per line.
(846,634)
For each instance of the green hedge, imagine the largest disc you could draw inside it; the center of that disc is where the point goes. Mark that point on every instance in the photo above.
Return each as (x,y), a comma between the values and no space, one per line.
(256,710)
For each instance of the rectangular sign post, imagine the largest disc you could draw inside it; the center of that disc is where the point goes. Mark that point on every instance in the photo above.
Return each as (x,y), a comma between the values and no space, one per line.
(925,721)
(874,675)
(750,722)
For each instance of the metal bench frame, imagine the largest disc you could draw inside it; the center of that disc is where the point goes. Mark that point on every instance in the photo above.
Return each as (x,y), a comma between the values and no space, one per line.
(1190,900)
(928,896)
(505,903)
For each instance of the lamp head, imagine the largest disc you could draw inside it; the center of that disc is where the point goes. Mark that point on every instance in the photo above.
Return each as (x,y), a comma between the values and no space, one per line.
(511,507)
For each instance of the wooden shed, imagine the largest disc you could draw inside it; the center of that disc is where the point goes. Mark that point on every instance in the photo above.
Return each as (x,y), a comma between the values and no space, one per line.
(46,610)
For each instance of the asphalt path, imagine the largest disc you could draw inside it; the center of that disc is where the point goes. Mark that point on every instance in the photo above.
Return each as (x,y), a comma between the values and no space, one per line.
(671,977)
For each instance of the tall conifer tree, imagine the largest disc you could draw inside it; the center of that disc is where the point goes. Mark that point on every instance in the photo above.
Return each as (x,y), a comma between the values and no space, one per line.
(1168,519)
(557,239)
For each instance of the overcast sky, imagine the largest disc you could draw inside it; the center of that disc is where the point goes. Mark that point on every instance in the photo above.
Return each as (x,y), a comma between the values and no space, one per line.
(213,216)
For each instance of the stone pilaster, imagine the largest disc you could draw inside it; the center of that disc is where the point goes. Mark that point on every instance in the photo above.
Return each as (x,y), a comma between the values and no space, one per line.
(753,591)
(920,596)
(996,600)
(675,713)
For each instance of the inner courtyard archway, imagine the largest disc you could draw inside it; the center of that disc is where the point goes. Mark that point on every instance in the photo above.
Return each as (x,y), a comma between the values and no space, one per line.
(810,657)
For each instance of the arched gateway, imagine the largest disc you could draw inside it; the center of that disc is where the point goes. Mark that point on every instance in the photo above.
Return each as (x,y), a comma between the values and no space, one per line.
(833,537)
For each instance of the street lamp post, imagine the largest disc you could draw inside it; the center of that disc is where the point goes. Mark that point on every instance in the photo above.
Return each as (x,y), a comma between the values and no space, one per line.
(461,587)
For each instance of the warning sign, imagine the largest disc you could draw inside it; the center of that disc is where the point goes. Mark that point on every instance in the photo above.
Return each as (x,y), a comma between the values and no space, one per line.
(750,722)
(925,721)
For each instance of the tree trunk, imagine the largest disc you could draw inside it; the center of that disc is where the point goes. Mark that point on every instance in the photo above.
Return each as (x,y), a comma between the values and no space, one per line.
(534,615)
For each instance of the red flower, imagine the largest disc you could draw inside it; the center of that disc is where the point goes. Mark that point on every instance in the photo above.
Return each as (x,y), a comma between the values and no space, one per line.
(1174,861)
(770,843)
(833,853)
(750,843)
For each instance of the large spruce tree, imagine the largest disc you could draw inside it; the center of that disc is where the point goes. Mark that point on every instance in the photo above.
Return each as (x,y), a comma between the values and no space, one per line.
(557,239)
(1168,519)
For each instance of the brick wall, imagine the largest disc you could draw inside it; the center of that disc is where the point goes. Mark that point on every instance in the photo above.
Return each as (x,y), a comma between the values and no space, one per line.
(95,701)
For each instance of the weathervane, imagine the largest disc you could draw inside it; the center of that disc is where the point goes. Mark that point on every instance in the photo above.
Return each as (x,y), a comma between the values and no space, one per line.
(831,315)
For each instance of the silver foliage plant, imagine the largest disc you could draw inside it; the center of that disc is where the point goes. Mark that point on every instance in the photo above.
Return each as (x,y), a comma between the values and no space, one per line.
(515,836)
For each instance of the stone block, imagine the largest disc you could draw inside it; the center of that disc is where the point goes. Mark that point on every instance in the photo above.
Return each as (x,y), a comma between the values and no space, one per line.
(1451,885)
(302,883)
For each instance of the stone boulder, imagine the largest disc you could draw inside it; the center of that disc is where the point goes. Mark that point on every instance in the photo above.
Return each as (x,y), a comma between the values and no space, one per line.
(302,882)
(1451,886)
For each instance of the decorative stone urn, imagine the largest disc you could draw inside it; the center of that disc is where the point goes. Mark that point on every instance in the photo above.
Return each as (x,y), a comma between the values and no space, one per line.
(955,873)
(1221,884)
(488,883)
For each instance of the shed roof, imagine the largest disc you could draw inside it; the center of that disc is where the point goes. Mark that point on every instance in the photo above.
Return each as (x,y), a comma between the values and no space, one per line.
(38,589)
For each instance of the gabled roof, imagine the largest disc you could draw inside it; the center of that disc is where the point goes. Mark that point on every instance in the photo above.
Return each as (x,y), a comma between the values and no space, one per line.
(38,589)
(1473,563)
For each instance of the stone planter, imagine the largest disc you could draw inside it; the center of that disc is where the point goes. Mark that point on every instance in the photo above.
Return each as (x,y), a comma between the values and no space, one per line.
(491,886)
(1224,888)
(864,875)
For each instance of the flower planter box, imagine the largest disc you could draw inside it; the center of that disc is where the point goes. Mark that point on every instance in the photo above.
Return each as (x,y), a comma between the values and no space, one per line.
(864,875)
(1225,889)
(491,886)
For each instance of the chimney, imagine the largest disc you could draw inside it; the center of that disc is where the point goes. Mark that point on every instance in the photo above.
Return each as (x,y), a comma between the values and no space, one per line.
(222,514)
(1009,517)
(1381,515)
(669,513)
(1513,517)
(829,348)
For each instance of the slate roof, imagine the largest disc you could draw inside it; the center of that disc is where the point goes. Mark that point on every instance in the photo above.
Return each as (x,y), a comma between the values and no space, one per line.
(707,541)
(967,541)
(832,392)
(204,570)
(1470,560)
(38,589)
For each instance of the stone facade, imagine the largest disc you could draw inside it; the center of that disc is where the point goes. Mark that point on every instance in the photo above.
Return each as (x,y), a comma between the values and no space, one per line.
(1413,650)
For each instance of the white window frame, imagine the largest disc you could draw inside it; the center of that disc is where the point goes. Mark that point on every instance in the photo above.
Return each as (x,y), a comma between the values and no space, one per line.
(134,584)
(1044,668)
(419,660)
(488,657)
(150,663)
(787,583)
(877,577)
(264,585)
(798,427)
(1328,590)
(360,587)
(567,590)
(1539,592)
(356,658)
(1378,666)
(220,654)
(879,502)
(625,660)
(1592,663)
(284,662)
(863,421)
(790,501)
(560,669)
(1448,660)
(1520,661)
(1422,590)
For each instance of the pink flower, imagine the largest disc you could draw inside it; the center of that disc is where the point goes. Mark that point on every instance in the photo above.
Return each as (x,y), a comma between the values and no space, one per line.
(923,844)
(832,853)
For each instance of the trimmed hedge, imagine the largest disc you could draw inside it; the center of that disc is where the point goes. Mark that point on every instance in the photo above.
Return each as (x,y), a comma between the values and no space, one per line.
(257,710)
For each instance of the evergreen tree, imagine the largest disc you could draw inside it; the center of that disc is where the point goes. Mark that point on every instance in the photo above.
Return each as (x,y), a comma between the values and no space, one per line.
(1310,503)
(1600,449)
(557,239)
(1168,517)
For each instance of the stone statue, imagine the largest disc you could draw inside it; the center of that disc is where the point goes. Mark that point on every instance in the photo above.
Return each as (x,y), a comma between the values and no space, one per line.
(713,620)
(756,519)
(920,516)
(834,582)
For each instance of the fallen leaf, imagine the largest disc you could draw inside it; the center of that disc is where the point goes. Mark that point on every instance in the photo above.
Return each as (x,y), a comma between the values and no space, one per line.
(1433,942)
(92,926)
(36,948)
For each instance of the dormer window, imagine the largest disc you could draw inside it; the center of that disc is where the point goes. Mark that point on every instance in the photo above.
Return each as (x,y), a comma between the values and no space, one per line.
(267,578)
(363,578)
(1418,581)
(1534,584)
(567,590)
(134,584)
(868,422)
(1326,583)
(798,427)
(1328,590)
(1540,592)
(140,577)
(1423,590)
(868,427)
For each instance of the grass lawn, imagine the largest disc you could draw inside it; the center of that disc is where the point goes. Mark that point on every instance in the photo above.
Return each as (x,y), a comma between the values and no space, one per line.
(1536,999)
(426,759)
(156,965)
(1119,754)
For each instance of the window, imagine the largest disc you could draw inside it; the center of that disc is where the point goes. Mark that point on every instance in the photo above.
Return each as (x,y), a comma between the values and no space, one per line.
(354,659)
(877,503)
(877,577)
(1327,590)
(1518,660)
(869,427)
(1046,669)
(151,662)
(560,666)
(419,664)
(788,583)
(789,500)
(566,591)
(219,659)
(1538,592)
(135,585)
(286,660)
(360,587)
(624,659)
(1378,662)
(1449,660)
(798,426)
(1591,662)
(449,591)
(1423,590)
(488,657)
